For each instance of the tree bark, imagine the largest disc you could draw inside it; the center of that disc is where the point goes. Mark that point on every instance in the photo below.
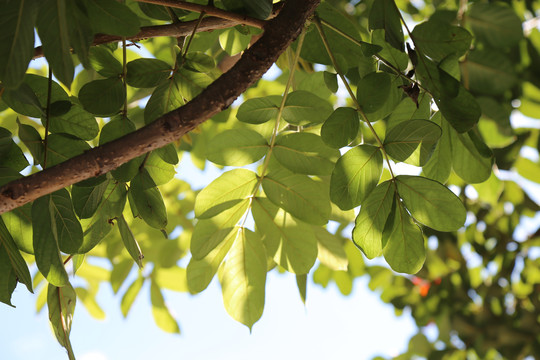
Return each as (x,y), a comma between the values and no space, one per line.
(278,35)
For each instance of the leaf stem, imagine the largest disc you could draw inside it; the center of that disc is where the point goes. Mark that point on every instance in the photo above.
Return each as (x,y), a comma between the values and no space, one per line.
(318,24)
(186,48)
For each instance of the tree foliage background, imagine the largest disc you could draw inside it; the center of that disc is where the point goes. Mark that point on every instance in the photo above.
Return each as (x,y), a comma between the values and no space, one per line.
(311,184)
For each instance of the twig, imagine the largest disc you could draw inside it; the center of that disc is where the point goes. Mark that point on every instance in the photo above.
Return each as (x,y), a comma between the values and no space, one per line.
(210,10)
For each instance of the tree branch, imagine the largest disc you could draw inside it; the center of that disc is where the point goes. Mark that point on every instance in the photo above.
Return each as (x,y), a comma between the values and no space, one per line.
(278,35)
(174,30)
(210,10)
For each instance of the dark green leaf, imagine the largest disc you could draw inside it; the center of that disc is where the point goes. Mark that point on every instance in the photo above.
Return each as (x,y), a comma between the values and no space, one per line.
(199,61)
(46,251)
(143,73)
(259,9)
(16,40)
(23,100)
(495,23)
(112,17)
(52,28)
(63,147)
(431,203)
(166,97)
(471,159)
(103,97)
(148,200)
(12,261)
(439,39)
(31,138)
(440,163)
(160,171)
(66,227)
(341,128)
(356,174)
(86,200)
(385,15)
(403,243)
(237,147)
(129,241)
(103,61)
(413,141)
(10,154)
(19,224)
(489,72)
(373,91)
(76,122)
(79,31)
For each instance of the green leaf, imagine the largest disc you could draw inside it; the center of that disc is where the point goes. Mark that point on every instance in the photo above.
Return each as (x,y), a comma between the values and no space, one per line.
(148,200)
(160,171)
(356,174)
(527,168)
(19,224)
(462,111)
(103,61)
(489,72)
(8,279)
(16,40)
(259,110)
(76,122)
(209,233)
(145,73)
(95,229)
(369,226)
(129,241)
(299,195)
(46,251)
(67,230)
(373,91)
(79,31)
(23,101)
(407,110)
(62,147)
(243,278)
(304,108)
(160,311)
(168,153)
(103,97)
(87,199)
(313,48)
(226,191)
(89,301)
(52,29)
(199,61)
(113,130)
(305,153)
(431,203)
(385,15)
(472,160)
(112,17)
(403,243)
(191,83)
(12,261)
(290,242)
(11,155)
(233,42)
(330,249)
(130,295)
(439,164)
(31,138)
(173,278)
(341,128)
(496,24)
(201,272)
(412,141)
(260,9)
(61,304)
(301,283)
(438,39)
(166,97)
(394,56)
(237,147)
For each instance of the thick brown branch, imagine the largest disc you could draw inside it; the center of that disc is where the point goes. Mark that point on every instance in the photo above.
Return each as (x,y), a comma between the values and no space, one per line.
(210,10)
(278,35)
